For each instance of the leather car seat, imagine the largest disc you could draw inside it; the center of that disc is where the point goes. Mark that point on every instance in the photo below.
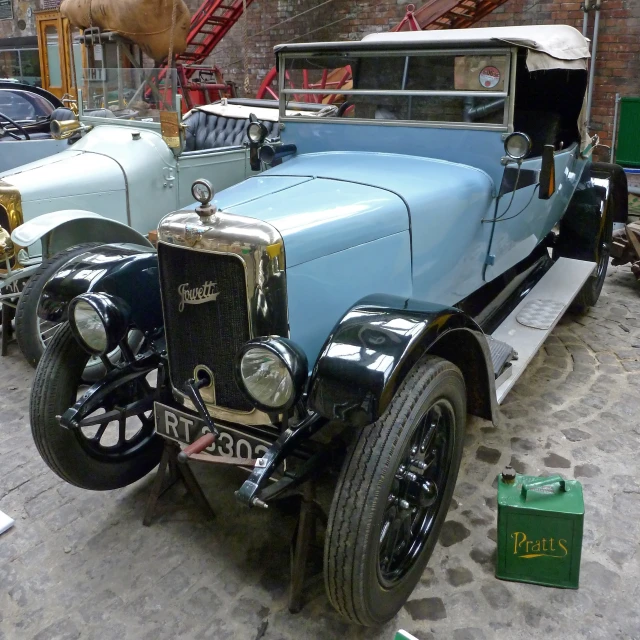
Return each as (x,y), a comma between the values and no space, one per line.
(61,114)
(209,131)
(543,127)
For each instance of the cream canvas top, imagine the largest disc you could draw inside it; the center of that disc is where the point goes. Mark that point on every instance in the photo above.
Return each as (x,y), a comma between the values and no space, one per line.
(549,46)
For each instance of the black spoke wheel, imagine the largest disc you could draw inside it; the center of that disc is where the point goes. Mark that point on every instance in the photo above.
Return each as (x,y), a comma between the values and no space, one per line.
(116,443)
(416,493)
(590,293)
(587,234)
(393,494)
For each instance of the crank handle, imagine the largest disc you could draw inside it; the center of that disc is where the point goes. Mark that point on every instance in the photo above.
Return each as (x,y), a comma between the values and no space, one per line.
(198,446)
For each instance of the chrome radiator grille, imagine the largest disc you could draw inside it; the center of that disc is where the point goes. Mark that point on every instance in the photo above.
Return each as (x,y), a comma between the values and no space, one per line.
(202,329)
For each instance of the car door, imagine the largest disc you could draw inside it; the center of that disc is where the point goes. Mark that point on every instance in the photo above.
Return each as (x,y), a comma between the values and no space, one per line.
(222,167)
(522,220)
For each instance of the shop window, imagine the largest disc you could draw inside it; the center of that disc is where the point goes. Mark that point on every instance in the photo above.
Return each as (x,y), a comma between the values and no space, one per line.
(53,56)
(9,65)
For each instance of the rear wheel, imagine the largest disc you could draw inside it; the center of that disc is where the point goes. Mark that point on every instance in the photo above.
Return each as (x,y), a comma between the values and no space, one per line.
(586,233)
(110,449)
(590,293)
(393,494)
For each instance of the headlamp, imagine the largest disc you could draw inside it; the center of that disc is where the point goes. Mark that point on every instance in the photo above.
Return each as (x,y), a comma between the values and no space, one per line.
(99,321)
(272,372)
(256,131)
(517,146)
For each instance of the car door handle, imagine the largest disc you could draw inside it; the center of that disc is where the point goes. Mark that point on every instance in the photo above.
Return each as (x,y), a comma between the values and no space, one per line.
(169,177)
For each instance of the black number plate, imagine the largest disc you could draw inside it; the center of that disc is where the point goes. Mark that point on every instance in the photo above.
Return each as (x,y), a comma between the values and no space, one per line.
(15,287)
(187,428)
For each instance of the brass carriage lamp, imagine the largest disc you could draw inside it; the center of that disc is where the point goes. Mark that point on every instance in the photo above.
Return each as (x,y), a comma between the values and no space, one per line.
(7,248)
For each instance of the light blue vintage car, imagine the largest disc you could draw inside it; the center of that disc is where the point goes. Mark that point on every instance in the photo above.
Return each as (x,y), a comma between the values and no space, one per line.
(396,268)
(113,184)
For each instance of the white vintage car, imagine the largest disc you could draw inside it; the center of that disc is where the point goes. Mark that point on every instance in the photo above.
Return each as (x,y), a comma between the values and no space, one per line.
(115,183)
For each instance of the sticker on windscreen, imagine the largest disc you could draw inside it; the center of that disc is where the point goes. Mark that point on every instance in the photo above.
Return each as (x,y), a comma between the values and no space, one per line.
(489,77)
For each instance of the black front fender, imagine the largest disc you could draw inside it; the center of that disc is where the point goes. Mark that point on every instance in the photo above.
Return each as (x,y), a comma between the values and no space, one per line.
(127,271)
(375,345)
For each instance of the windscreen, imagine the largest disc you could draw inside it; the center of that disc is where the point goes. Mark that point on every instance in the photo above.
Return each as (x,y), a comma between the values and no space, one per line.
(24,107)
(129,94)
(430,87)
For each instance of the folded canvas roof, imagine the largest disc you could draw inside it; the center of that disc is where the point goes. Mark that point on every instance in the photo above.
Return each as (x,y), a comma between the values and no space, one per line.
(549,46)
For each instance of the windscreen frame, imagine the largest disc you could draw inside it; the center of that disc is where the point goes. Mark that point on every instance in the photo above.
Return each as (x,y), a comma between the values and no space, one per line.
(508,93)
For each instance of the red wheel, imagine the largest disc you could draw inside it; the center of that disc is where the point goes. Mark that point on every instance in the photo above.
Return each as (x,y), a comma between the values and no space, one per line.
(335,79)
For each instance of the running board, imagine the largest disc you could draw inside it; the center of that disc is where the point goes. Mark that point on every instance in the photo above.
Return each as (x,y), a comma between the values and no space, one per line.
(529,324)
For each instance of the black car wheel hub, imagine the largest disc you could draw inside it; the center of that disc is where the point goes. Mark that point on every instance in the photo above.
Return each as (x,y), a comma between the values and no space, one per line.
(416,493)
(127,426)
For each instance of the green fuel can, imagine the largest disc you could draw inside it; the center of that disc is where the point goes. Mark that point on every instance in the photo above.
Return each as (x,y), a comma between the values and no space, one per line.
(540,522)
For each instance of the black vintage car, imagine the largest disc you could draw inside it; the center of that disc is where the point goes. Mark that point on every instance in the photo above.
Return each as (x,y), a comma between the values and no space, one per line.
(25,111)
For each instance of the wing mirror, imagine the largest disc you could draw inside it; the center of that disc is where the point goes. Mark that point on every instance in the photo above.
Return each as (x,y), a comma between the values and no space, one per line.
(547,173)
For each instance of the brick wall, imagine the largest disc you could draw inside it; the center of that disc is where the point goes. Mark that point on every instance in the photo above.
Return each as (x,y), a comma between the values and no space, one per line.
(270,22)
(11,28)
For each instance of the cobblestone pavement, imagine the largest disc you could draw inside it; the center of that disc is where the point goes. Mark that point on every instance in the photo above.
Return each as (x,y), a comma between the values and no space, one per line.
(80,564)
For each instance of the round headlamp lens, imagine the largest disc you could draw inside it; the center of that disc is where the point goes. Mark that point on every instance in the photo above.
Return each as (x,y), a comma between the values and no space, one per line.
(517,146)
(254,132)
(90,327)
(266,378)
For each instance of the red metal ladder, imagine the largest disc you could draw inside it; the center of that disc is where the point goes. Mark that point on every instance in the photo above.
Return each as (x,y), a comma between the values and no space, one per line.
(209,25)
(450,14)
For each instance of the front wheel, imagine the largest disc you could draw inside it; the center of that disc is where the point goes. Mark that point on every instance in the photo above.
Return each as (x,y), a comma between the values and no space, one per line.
(393,494)
(114,446)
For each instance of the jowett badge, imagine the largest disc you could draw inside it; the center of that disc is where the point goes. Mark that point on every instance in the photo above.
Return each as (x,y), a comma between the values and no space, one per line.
(193,234)
(197,295)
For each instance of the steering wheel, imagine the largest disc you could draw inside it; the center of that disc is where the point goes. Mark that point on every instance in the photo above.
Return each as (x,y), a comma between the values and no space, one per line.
(4,119)
(342,109)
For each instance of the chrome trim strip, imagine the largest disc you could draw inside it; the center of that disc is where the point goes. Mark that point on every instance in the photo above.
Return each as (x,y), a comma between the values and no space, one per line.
(216,151)
(384,50)
(397,92)
(511,103)
(403,123)
(254,418)
(134,124)
(259,246)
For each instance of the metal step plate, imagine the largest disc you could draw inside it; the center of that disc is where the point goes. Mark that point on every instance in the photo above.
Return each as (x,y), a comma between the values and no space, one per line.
(501,354)
(528,325)
(540,314)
